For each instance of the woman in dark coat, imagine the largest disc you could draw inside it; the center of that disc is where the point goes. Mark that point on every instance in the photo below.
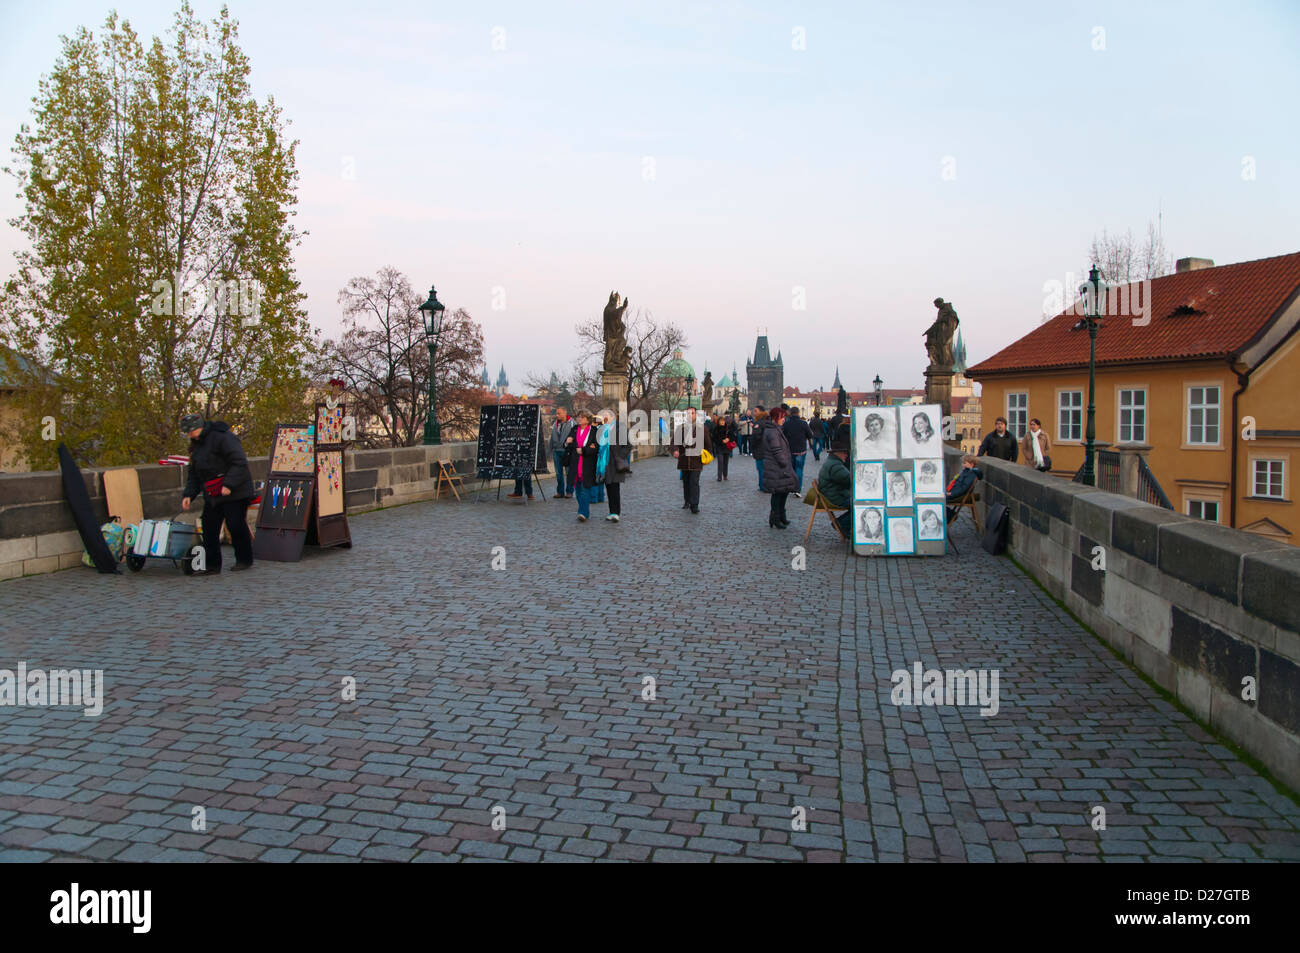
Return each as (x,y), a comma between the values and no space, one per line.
(219,470)
(613,463)
(778,465)
(723,431)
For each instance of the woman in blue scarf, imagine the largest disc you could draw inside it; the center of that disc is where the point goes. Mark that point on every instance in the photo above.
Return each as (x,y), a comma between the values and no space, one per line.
(613,463)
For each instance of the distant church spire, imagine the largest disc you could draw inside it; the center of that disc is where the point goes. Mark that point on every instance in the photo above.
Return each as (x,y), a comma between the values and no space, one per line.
(837,385)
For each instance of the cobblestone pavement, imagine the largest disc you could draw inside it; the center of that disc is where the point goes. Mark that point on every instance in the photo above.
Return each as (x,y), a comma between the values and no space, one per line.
(523,689)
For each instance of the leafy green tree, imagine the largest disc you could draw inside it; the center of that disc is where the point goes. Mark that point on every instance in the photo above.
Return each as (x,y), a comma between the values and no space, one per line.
(159,275)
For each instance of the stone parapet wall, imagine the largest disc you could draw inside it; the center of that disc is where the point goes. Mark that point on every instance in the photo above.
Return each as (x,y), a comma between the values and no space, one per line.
(37,533)
(1198,607)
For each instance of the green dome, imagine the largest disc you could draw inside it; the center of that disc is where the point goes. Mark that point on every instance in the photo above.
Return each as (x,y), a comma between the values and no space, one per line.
(677,367)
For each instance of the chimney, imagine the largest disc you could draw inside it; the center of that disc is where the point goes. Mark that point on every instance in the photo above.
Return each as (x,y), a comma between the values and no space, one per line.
(1192,264)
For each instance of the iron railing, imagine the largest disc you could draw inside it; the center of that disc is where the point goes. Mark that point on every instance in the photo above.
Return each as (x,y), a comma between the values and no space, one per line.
(1148,488)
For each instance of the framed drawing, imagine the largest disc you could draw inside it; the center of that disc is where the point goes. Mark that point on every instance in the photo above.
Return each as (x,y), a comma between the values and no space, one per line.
(899,539)
(869,480)
(919,430)
(930,522)
(927,478)
(869,525)
(875,433)
(898,488)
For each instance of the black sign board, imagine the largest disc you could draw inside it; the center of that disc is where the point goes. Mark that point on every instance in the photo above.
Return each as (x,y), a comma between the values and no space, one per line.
(508,438)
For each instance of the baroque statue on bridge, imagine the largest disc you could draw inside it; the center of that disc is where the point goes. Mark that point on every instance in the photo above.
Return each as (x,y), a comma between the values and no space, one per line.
(617,352)
(938,337)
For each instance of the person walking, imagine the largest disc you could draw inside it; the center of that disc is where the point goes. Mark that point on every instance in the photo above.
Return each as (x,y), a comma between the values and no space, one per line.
(561,430)
(1000,443)
(219,470)
(818,428)
(1036,447)
(584,446)
(724,439)
(613,464)
(778,467)
(797,435)
(756,446)
(689,437)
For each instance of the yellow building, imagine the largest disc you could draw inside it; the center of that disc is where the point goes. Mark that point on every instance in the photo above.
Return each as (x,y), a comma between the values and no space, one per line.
(1196,371)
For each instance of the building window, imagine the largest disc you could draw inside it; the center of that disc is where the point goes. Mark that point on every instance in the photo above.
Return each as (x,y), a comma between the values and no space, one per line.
(1070,404)
(1018,413)
(1268,478)
(1203,415)
(1132,416)
(1203,510)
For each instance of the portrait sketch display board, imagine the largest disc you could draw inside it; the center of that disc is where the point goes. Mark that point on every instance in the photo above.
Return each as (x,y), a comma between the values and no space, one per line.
(927,478)
(869,525)
(899,537)
(875,433)
(869,481)
(898,488)
(898,484)
(920,431)
(930,522)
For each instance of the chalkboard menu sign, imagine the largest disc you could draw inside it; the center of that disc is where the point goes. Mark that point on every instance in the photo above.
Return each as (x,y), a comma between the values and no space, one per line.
(508,437)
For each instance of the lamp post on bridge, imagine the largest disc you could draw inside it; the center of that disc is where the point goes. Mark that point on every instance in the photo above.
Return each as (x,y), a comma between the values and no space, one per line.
(1092,291)
(433,312)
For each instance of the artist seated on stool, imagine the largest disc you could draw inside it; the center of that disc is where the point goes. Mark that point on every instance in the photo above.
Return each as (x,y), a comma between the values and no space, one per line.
(219,470)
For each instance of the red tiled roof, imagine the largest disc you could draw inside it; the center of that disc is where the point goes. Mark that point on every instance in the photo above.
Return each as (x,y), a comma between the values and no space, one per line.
(1203,314)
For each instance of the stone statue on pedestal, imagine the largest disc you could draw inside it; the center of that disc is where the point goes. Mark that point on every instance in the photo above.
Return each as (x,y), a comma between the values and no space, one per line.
(617,351)
(938,337)
(706,389)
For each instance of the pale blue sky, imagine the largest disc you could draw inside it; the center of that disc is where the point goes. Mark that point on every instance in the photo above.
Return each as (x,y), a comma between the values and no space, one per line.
(821,168)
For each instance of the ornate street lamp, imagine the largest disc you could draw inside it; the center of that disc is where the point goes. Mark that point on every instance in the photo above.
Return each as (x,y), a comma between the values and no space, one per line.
(1093,288)
(690,389)
(880,392)
(432,311)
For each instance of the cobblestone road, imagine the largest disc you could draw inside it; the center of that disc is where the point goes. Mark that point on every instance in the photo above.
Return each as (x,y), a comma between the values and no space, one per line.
(523,689)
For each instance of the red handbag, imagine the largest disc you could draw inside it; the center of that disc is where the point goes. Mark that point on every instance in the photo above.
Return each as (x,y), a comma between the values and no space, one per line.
(213,486)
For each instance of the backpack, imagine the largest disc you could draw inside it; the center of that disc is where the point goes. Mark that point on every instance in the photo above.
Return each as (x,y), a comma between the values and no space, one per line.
(995,529)
(118,537)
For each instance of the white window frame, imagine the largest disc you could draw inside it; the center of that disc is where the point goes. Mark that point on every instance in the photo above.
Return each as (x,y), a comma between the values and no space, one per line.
(1131,408)
(1064,431)
(1203,406)
(1269,463)
(1023,410)
(1203,502)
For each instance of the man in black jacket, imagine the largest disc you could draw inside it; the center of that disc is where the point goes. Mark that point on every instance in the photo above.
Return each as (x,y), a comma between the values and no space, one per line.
(797,434)
(219,470)
(1000,443)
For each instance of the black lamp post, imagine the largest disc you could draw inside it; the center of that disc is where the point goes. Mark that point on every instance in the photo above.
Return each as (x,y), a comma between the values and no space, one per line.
(432,311)
(880,392)
(1094,288)
(690,389)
